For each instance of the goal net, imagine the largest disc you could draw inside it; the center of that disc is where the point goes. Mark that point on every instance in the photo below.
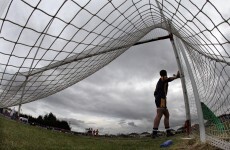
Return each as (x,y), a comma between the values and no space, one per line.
(49,45)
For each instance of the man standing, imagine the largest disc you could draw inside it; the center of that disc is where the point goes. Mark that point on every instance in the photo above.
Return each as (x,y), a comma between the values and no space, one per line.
(160,94)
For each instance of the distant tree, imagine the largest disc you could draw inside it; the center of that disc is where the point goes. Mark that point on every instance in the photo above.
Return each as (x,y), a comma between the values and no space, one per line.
(32,119)
(64,125)
(40,120)
(50,120)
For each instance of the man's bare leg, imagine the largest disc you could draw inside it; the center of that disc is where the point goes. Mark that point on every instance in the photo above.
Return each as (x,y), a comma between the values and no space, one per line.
(166,123)
(158,118)
(166,119)
(157,122)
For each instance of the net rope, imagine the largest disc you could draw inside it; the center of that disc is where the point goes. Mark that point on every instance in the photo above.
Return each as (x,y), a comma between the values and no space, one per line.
(47,46)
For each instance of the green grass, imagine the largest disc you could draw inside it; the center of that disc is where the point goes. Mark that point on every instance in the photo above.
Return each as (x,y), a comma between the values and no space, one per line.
(18,136)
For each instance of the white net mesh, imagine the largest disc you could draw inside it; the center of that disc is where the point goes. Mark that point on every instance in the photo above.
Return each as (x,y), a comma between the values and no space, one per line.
(47,46)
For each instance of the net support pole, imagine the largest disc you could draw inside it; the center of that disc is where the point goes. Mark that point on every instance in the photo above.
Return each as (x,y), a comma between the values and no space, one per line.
(196,95)
(23,91)
(185,93)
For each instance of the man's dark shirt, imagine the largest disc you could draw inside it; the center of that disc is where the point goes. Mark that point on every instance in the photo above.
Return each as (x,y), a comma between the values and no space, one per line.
(162,88)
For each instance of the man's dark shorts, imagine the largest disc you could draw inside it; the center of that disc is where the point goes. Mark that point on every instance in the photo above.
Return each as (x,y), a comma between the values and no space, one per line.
(160,103)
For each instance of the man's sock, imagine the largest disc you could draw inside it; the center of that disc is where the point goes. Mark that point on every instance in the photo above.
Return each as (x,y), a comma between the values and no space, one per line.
(155,130)
(167,128)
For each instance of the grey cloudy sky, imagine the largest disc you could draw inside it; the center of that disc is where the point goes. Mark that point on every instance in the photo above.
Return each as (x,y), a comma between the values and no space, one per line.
(119,97)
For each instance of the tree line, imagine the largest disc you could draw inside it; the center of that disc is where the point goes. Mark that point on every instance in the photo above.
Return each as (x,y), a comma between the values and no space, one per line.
(49,120)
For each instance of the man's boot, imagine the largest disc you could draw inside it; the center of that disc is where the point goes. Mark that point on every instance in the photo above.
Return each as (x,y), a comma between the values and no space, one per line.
(169,133)
(154,134)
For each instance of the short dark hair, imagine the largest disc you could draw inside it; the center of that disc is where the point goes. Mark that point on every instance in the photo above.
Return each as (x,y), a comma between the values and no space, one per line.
(163,73)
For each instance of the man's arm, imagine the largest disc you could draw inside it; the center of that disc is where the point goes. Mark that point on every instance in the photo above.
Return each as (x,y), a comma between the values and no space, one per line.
(174,77)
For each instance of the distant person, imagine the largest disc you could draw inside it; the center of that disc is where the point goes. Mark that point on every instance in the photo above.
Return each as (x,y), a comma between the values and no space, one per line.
(160,94)
(12,114)
(97,132)
(94,132)
(90,131)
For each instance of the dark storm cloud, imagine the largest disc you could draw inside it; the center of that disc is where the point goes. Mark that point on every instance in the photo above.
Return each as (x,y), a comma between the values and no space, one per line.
(122,122)
(75,122)
(132,124)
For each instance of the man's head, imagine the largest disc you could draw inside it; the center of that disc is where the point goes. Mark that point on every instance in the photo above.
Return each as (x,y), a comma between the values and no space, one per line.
(163,73)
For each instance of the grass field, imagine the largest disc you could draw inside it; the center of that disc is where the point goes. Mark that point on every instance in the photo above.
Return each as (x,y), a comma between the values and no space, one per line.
(18,136)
